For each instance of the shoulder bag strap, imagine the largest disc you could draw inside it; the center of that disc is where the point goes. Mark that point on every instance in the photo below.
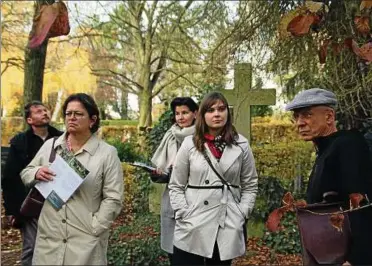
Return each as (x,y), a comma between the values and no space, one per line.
(216,172)
(52,155)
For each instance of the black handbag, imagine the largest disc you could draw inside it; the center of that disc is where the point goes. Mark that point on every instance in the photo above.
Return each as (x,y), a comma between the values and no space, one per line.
(322,244)
(34,201)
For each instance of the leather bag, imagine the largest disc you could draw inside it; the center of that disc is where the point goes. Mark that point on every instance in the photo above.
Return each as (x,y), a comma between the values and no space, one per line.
(322,244)
(34,201)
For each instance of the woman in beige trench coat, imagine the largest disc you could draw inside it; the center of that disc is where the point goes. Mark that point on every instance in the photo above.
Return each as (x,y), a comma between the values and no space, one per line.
(210,211)
(184,110)
(77,234)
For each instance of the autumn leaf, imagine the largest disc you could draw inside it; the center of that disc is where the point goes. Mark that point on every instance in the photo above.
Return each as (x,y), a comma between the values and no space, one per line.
(61,25)
(42,23)
(337,221)
(300,25)
(273,221)
(365,4)
(288,199)
(337,47)
(287,18)
(323,51)
(362,24)
(364,52)
(301,203)
(355,199)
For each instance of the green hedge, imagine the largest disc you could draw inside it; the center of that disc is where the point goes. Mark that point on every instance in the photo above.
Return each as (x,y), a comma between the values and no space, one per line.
(119,122)
(284,160)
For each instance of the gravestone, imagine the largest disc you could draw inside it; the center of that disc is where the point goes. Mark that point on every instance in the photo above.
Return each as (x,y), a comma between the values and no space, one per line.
(242,97)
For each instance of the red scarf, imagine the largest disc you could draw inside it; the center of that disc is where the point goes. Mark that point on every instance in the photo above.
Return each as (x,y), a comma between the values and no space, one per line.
(212,147)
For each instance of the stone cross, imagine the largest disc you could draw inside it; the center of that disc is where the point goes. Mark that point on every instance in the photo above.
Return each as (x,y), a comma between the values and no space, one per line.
(242,97)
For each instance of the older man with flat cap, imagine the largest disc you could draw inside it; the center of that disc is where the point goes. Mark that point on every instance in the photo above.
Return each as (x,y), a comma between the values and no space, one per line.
(342,165)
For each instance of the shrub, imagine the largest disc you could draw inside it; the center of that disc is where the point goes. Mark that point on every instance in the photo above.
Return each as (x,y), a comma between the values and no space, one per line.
(137,243)
(287,240)
(156,134)
(269,197)
(127,151)
(123,133)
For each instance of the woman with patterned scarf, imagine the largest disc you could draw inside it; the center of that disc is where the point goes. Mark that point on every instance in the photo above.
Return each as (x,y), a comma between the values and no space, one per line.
(212,189)
(184,112)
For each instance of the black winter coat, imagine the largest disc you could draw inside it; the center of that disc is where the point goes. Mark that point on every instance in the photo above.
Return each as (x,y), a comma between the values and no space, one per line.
(343,165)
(23,148)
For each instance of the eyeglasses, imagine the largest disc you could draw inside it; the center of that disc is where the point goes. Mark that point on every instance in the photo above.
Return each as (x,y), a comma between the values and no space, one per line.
(303,116)
(77,114)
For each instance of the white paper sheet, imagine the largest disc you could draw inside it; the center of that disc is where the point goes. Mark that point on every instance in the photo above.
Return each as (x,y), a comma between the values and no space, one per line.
(64,183)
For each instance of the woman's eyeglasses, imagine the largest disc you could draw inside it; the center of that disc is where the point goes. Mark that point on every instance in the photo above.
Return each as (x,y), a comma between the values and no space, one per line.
(77,115)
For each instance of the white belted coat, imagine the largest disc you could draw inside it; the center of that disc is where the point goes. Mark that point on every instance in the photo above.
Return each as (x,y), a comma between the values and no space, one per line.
(206,216)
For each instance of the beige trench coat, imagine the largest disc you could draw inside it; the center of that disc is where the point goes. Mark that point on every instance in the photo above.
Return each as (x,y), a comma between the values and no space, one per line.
(204,216)
(78,233)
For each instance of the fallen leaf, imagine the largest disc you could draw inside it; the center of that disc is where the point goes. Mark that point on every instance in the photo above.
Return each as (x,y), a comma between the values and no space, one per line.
(355,199)
(365,4)
(362,24)
(337,221)
(364,52)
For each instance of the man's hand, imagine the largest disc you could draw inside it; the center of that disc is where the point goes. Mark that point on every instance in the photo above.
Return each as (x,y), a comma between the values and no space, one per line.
(44,174)
(8,222)
(346,263)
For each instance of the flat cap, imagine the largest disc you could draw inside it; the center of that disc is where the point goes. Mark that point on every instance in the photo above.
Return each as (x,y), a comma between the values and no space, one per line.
(311,97)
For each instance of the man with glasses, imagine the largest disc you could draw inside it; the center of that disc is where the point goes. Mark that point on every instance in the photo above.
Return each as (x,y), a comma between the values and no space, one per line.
(342,165)
(23,148)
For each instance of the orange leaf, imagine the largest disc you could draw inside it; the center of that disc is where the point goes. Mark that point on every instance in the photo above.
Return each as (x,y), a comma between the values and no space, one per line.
(301,203)
(288,199)
(323,52)
(273,221)
(355,199)
(362,24)
(365,4)
(286,18)
(337,48)
(61,25)
(300,25)
(337,221)
(366,52)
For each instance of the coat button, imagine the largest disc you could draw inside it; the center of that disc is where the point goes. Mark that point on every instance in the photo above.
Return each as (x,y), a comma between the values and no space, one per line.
(207,182)
(64,240)
(206,202)
(63,221)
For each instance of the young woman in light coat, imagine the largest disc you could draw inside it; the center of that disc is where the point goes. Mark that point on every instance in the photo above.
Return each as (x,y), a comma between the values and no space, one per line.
(184,111)
(210,212)
(77,234)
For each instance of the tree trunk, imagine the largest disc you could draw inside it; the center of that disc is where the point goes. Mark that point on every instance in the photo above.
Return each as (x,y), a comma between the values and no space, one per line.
(124,105)
(35,64)
(145,107)
(34,72)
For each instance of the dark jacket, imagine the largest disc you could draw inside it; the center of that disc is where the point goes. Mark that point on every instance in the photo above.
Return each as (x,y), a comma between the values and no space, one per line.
(23,148)
(343,165)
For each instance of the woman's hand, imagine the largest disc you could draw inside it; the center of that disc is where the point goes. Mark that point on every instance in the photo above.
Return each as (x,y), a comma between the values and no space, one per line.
(44,174)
